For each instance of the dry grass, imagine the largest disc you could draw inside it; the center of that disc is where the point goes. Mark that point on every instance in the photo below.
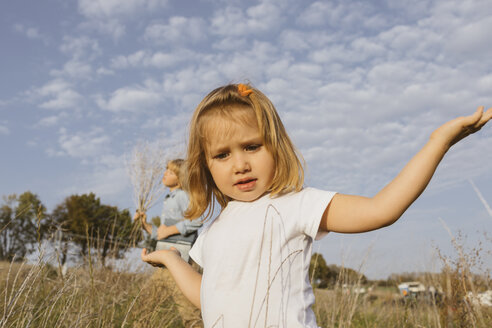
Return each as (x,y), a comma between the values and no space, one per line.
(37,296)
(452,306)
(385,309)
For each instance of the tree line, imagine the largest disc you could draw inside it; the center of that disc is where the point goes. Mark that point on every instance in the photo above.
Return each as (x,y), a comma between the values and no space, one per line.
(79,224)
(327,276)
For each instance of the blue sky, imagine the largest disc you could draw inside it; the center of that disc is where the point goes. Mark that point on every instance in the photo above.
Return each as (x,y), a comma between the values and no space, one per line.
(360,85)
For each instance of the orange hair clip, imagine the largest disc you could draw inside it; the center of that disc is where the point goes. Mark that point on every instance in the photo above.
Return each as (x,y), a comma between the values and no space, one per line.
(243,90)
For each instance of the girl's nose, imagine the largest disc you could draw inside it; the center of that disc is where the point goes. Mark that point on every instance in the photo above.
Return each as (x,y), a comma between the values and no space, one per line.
(241,164)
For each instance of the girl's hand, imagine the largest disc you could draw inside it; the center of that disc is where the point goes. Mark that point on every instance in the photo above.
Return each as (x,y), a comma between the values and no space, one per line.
(158,258)
(139,215)
(164,231)
(461,127)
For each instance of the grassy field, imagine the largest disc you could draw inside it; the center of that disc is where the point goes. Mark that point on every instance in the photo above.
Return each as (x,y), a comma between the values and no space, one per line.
(39,296)
(334,308)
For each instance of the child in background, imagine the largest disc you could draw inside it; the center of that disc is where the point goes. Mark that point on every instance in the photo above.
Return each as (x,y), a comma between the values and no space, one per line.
(174,230)
(255,255)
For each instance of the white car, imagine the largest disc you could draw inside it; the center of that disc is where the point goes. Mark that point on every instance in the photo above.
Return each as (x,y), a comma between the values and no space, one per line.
(412,288)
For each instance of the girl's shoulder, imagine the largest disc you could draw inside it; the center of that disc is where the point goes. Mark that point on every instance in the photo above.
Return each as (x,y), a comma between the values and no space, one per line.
(287,199)
(181,193)
(304,201)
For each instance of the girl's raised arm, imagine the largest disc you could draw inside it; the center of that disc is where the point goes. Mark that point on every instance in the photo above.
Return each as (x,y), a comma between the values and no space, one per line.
(187,279)
(352,214)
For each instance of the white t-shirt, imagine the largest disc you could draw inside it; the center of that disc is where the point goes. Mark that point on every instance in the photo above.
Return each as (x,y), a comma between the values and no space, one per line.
(255,258)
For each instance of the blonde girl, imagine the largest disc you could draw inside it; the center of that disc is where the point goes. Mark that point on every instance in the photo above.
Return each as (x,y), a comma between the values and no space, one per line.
(255,255)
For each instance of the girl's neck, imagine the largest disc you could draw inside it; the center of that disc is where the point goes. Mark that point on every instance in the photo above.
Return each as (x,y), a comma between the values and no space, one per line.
(174,188)
(254,200)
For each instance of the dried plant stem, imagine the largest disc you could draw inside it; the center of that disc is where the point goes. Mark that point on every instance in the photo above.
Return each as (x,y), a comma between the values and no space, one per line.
(146,167)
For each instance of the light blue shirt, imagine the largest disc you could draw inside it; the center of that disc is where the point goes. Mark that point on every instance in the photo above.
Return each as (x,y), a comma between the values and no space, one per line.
(174,206)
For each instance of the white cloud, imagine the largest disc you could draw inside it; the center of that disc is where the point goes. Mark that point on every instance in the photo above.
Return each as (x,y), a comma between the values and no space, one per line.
(143,58)
(484,83)
(84,144)
(111,27)
(30,32)
(230,44)
(179,30)
(81,48)
(318,13)
(49,121)
(74,69)
(186,87)
(294,40)
(133,60)
(61,93)
(108,16)
(4,128)
(133,99)
(103,9)
(343,15)
(411,11)
(472,39)
(234,21)
(163,60)
(251,63)
(104,71)
(82,51)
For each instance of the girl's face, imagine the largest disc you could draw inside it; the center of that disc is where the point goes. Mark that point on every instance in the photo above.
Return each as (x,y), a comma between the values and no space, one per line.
(240,164)
(170,179)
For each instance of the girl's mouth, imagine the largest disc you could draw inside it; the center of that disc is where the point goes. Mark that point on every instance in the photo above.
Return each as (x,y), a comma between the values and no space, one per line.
(246,184)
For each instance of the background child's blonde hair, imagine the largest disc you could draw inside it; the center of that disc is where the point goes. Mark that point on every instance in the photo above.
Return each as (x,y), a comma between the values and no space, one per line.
(227,102)
(178,167)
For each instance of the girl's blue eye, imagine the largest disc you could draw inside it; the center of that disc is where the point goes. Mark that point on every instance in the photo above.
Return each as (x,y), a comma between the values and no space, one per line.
(252,147)
(220,156)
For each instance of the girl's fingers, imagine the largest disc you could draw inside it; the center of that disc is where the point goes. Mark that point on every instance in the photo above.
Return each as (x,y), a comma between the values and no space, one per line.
(175,250)
(478,119)
(474,119)
(485,117)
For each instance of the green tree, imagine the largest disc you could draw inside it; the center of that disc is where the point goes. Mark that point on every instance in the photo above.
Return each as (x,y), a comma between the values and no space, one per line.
(322,275)
(21,225)
(327,276)
(84,221)
(156,220)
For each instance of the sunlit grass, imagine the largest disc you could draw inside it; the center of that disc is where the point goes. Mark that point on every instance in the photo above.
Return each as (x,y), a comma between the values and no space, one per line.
(39,295)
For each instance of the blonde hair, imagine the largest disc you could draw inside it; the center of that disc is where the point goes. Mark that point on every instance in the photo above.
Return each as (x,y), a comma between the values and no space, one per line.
(228,102)
(178,167)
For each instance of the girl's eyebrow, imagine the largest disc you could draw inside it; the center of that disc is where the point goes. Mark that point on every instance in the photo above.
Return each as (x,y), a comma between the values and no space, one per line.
(224,148)
(219,149)
(216,148)
(254,140)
